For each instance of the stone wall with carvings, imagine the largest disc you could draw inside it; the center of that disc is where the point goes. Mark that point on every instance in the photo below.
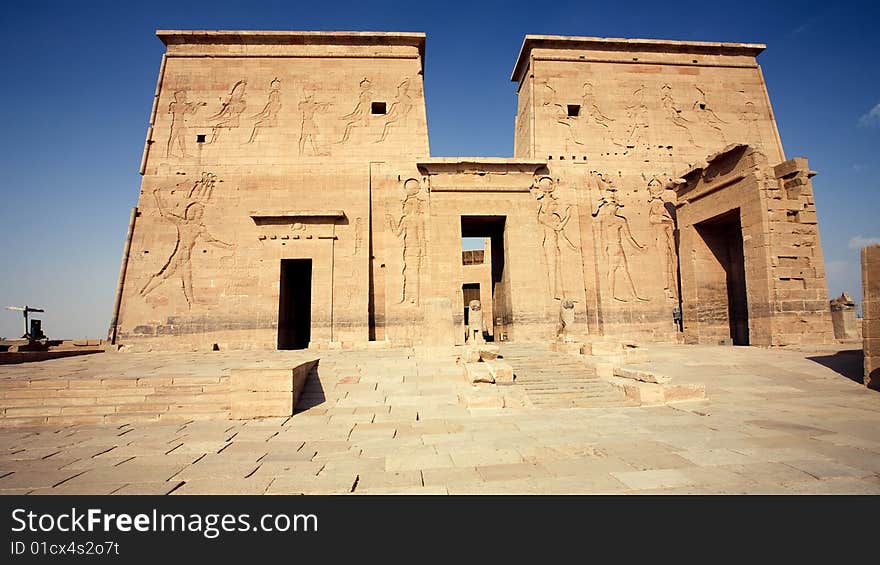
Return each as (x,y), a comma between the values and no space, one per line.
(266,146)
(258,150)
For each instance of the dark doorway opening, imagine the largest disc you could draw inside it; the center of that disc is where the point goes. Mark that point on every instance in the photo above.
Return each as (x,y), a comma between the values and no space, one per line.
(493,227)
(295,304)
(723,236)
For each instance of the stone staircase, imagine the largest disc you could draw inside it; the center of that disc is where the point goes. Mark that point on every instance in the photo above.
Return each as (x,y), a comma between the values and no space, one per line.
(560,380)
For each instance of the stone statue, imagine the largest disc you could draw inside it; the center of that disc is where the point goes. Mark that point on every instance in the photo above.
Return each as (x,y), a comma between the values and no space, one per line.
(566,321)
(475,322)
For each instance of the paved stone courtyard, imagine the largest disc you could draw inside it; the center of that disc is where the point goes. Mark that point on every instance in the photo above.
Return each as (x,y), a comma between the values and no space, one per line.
(392,421)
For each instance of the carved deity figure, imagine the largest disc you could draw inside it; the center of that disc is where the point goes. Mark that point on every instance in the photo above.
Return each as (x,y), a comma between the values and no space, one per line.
(594,114)
(560,114)
(399,109)
(706,114)
(750,117)
(230,111)
(268,116)
(674,113)
(308,128)
(411,228)
(190,229)
(617,235)
(360,116)
(566,320)
(552,220)
(179,109)
(661,216)
(637,117)
(475,322)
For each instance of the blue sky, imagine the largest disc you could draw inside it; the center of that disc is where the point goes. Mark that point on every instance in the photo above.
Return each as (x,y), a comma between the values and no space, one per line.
(79,79)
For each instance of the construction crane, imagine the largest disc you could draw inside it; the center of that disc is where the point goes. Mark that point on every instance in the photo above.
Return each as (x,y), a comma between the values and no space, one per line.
(29,333)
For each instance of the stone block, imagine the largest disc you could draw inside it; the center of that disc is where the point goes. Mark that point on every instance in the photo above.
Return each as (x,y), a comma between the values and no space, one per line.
(489,351)
(502,373)
(641,375)
(478,373)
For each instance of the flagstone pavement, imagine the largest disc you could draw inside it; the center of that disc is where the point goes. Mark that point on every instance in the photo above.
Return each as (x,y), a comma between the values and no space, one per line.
(391,421)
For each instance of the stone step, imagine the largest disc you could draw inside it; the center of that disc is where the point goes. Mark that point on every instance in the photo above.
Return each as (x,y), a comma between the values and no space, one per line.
(555,380)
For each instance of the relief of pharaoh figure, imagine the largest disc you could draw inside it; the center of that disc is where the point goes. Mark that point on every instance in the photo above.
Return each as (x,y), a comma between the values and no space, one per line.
(360,116)
(661,216)
(399,109)
(308,134)
(560,114)
(553,221)
(617,235)
(411,228)
(190,229)
(637,116)
(707,115)
(179,109)
(268,116)
(594,114)
(230,111)
(674,113)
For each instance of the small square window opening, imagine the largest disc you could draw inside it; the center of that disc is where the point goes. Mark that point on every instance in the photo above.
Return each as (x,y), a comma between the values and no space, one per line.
(574,110)
(377,108)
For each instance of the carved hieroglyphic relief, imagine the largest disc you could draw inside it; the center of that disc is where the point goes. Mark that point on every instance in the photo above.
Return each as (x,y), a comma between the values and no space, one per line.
(560,114)
(637,118)
(179,109)
(751,117)
(361,114)
(399,109)
(593,114)
(309,133)
(268,117)
(553,221)
(615,235)
(661,216)
(706,115)
(230,111)
(190,228)
(674,113)
(410,227)
(358,236)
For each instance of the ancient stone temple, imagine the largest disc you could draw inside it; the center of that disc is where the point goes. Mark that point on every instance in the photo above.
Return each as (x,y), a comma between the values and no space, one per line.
(290,199)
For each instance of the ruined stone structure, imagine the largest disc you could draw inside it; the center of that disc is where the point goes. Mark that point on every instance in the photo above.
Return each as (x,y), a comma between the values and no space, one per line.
(871,314)
(843,318)
(289,199)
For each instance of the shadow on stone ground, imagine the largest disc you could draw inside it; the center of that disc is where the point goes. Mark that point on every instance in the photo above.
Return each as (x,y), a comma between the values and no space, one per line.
(849,363)
(312,393)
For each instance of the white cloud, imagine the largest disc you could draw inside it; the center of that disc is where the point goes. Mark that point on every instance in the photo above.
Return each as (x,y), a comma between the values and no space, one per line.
(871,118)
(857,242)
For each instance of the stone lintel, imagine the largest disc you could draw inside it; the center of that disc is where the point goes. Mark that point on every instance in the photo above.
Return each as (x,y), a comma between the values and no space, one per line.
(474,174)
(293,215)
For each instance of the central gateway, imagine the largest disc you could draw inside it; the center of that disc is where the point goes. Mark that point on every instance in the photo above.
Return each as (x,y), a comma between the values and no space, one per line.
(289,200)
